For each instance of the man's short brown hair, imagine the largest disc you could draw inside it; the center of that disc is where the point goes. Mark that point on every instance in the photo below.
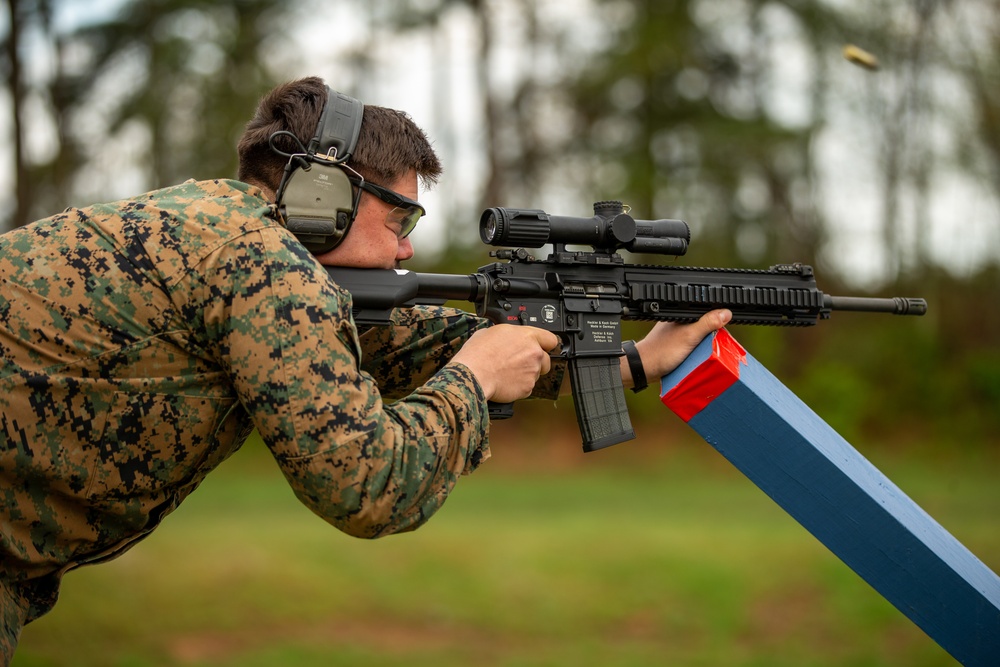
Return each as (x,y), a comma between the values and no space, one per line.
(389,145)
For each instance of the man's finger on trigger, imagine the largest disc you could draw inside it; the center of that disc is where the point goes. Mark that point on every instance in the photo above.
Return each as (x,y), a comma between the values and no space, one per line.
(548,340)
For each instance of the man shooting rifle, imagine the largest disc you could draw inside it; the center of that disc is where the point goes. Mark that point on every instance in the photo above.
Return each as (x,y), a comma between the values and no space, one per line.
(144,339)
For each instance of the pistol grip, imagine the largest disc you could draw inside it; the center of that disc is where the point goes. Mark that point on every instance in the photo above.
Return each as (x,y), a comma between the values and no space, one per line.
(500,410)
(599,399)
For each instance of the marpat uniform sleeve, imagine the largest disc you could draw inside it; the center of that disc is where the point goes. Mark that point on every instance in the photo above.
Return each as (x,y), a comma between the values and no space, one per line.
(418,341)
(283,331)
(415,345)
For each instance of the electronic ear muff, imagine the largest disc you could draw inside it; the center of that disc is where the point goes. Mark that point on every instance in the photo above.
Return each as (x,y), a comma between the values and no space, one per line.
(315,199)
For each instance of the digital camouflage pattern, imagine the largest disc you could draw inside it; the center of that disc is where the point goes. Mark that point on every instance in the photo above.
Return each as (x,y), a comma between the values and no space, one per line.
(142,342)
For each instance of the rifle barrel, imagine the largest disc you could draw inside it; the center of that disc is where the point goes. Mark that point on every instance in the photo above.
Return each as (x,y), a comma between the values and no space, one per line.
(895,305)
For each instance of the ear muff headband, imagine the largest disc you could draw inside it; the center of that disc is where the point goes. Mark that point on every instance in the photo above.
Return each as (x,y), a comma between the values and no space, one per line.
(339,126)
(315,198)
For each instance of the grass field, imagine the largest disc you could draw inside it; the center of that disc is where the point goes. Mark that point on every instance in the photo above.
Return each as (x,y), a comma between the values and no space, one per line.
(632,556)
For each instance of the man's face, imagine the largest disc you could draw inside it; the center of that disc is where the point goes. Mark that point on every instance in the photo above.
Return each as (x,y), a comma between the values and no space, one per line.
(373,241)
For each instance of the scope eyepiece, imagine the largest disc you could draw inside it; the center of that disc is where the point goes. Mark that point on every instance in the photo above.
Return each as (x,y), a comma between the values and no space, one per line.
(610,229)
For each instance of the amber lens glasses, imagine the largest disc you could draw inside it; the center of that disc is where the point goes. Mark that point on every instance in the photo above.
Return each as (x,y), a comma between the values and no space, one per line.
(406,212)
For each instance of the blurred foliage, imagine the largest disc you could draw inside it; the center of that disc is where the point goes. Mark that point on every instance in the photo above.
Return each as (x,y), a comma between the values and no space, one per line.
(678,107)
(672,106)
(161,87)
(679,116)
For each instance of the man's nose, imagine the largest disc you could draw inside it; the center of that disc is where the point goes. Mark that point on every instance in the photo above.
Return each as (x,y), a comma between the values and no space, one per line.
(405,250)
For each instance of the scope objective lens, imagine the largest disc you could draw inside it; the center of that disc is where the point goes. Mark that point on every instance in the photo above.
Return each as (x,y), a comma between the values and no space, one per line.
(490,229)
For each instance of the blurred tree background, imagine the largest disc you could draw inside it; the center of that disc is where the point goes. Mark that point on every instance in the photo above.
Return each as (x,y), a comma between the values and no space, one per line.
(745,118)
(741,116)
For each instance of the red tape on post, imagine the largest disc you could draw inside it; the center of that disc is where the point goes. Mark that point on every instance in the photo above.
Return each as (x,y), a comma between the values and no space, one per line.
(707,382)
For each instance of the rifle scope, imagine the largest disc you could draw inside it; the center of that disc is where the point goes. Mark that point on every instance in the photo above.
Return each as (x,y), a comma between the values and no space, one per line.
(611,228)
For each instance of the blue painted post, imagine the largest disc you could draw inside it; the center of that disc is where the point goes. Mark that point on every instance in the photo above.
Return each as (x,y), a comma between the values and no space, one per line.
(816,476)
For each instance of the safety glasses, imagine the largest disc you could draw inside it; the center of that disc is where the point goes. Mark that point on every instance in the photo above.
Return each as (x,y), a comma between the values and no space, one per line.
(406,212)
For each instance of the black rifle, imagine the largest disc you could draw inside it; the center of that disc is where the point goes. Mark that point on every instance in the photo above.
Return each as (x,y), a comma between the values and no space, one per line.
(583,296)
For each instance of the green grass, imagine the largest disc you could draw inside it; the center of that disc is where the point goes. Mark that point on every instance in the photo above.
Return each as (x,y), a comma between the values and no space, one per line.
(628,557)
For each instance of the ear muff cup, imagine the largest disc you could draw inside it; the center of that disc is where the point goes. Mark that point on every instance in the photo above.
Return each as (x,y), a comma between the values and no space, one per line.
(318,205)
(315,198)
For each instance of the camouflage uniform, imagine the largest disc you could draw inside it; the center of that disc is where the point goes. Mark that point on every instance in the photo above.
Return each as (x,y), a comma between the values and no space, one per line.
(142,342)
